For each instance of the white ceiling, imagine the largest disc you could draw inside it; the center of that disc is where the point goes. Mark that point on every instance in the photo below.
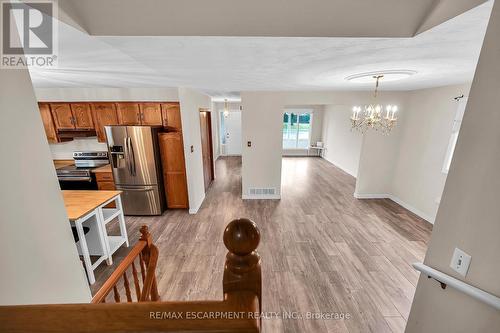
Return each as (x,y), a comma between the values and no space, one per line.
(264,18)
(223,66)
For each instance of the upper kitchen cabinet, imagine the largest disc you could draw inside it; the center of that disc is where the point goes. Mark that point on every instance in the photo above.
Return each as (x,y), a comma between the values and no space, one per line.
(62,115)
(82,116)
(104,115)
(150,114)
(128,113)
(48,123)
(171,115)
(70,116)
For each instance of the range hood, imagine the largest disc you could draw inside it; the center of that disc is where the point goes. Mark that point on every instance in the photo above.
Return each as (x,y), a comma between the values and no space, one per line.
(69,134)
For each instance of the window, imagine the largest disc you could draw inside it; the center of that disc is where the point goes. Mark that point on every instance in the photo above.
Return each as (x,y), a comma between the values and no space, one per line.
(297,129)
(457,122)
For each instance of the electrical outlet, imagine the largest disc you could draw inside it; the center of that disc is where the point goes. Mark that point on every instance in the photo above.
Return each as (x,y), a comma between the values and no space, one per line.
(460,262)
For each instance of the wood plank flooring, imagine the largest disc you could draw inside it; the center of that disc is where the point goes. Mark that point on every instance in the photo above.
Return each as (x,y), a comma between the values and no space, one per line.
(323,251)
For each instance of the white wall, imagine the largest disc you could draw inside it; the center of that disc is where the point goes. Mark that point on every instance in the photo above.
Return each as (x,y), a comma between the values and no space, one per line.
(316,128)
(191,101)
(39,260)
(418,178)
(342,145)
(262,124)
(215,131)
(106,94)
(468,217)
(64,150)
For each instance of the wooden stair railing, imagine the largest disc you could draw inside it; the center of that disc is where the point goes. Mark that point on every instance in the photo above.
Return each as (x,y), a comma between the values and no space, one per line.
(237,312)
(147,254)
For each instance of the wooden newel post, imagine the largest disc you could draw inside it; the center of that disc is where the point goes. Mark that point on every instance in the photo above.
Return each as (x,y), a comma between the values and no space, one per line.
(242,271)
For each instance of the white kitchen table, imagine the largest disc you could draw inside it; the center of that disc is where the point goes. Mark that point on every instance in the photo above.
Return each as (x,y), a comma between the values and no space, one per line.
(87,208)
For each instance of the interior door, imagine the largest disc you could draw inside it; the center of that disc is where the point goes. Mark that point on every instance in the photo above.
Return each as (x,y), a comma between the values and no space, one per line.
(62,115)
(233,133)
(150,114)
(128,113)
(206,148)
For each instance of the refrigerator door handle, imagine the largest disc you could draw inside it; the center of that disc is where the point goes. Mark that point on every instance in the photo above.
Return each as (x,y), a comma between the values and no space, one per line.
(127,154)
(132,161)
(141,189)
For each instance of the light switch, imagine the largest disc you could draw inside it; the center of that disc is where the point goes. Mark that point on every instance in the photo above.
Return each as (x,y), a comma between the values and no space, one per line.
(460,262)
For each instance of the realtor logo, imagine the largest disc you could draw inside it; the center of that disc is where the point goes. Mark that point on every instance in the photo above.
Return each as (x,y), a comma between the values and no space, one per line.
(28,34)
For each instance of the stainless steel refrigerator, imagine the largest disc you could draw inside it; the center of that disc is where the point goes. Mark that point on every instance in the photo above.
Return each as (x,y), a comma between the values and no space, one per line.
(135,161)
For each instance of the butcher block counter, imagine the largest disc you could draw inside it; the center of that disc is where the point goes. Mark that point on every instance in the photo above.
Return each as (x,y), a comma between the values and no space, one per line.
(79,203)
(62,163)
(104,169)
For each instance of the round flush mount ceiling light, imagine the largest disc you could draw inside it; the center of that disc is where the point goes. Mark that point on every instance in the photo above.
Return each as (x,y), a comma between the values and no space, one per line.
(389,75)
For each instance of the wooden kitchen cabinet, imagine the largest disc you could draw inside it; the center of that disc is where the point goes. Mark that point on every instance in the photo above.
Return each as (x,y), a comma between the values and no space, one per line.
(70,116)
(48,123)
(174,169)
(62,115)
(171,116)
(82,116)
(128,113)
(104,114)
(105,182)
(150,114)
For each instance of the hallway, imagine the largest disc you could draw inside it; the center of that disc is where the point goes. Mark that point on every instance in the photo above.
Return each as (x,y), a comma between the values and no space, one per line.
(323,251)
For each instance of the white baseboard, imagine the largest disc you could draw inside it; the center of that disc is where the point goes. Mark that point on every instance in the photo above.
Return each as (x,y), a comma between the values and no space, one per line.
(400,202)
(340,167)
(261,197)
(195,209)
(371,196)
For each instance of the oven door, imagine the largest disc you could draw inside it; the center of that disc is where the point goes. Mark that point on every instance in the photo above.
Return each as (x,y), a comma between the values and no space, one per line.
(77,183)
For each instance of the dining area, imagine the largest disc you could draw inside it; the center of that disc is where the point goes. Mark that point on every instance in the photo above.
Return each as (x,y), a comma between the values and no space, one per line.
(89,212)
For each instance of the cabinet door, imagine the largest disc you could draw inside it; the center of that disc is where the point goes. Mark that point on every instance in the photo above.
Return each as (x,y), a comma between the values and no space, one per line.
(171,115)
(128,113)
(48,123)
(82,116)
(151,114)
(62,115)
(104,115)
(174,170)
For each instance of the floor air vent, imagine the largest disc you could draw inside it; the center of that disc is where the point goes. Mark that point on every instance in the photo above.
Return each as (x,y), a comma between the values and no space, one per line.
(262,191)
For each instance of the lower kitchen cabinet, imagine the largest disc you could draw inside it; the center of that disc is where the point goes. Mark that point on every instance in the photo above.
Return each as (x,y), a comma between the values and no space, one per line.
(105,182)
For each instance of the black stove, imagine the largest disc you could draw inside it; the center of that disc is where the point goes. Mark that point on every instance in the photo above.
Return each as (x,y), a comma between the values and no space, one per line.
(80,175)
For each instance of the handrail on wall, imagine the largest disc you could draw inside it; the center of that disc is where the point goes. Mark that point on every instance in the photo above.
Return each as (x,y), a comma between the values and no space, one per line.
(447,280)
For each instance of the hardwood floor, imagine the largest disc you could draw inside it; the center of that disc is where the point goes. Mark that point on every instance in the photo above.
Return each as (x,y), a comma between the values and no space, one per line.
(323,251)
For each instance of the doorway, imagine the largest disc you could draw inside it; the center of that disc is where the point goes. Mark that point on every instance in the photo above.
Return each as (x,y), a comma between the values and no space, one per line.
(207,147)
(231,133)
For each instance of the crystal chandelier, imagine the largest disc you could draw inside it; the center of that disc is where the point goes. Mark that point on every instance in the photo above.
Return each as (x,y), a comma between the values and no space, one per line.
(375,116)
